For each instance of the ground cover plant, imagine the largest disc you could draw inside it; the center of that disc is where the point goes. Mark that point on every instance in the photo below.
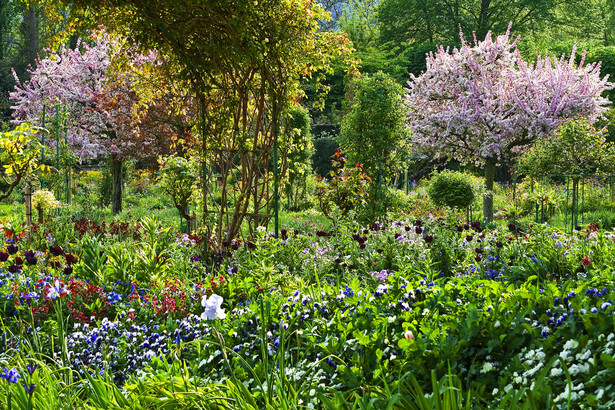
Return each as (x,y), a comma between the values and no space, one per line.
(388,314)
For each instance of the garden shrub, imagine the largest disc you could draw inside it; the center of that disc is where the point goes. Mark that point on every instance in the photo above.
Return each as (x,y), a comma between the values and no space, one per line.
(398,200)
(344,191)
(44,201)
(177,177)
(451,189)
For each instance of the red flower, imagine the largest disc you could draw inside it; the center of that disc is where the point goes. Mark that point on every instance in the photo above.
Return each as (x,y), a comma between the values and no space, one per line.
(585,261)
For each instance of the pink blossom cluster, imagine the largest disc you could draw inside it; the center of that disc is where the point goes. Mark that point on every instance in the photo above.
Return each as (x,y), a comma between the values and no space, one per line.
(71,78)
(100,100)
(479,102)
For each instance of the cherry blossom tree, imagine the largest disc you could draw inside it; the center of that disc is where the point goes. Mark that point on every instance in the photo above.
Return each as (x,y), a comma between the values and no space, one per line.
(481,102)
(110,110)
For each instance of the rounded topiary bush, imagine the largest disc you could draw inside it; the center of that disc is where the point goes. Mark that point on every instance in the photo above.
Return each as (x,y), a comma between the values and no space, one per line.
(451,188)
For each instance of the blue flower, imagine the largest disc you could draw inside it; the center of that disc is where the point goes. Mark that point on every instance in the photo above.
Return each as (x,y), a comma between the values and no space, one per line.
(10,375)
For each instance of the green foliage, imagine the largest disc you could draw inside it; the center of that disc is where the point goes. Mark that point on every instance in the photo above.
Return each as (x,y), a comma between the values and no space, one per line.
(576,149)
(297,151)
(177,177)
(451,188)
(19,152)
(358,21)
(373,131)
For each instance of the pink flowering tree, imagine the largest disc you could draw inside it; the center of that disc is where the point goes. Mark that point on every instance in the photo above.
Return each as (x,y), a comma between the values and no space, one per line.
(74,79)
(104,111)
(481,102)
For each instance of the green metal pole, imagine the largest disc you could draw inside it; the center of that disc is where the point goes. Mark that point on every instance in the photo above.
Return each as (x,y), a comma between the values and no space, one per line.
(68,169)
(566,207)
(57,107)
(43,143)
(43,139)
(380,185)
(515,196)
(406,174)
(275,167)
(582,199)
(57,135)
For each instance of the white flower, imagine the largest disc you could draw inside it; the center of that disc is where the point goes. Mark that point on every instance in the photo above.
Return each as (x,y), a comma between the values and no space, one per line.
(409,335)
(571,344)
(487,367)
(213,309)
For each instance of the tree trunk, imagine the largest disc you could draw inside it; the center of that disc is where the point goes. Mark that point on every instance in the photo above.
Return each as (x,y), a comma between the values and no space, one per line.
(32,33)
(116,176)
(488,199)
(28,200)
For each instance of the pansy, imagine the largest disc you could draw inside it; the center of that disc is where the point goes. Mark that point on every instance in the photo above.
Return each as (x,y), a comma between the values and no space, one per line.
(213,307)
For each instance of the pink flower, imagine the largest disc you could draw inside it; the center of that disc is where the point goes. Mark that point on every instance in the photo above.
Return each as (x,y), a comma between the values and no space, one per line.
(409,335)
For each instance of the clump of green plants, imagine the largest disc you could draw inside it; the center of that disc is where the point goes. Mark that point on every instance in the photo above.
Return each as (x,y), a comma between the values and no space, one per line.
(344,191)
(177,177)
(452,189)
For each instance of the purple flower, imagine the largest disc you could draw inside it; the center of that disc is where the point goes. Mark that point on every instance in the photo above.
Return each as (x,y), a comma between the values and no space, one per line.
(70,258)
(383,275)
(4,256)
(31,368)
(29,389)
(12,249)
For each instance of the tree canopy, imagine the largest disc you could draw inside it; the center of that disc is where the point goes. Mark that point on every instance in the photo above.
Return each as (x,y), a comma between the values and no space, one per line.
(480,102)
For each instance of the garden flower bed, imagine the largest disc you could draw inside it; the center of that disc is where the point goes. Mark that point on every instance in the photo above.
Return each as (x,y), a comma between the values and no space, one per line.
(387,314)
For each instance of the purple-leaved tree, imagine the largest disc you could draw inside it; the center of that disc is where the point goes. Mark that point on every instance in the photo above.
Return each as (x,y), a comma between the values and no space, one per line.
(481,102)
